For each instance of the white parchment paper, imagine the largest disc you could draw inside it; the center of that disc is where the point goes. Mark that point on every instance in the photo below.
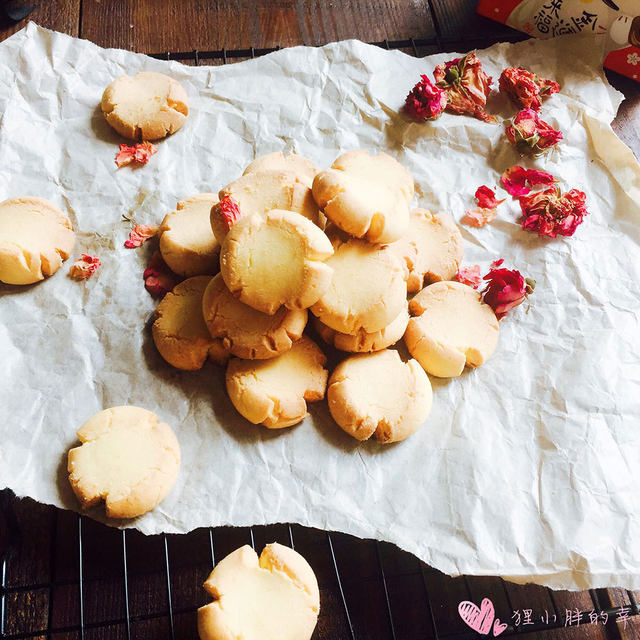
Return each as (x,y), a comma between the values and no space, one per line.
(527,467)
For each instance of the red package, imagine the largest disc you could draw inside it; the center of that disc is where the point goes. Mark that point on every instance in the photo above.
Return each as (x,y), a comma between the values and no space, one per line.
(616,20)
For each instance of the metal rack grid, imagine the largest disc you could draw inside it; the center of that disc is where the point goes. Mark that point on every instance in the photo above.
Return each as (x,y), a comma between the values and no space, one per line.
(390,622)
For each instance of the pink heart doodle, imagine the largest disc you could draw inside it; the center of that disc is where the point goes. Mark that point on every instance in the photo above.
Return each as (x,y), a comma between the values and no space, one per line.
(498,627)
(479,619)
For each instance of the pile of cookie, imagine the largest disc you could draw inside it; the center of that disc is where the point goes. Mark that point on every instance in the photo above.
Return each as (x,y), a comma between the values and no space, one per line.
(339,250)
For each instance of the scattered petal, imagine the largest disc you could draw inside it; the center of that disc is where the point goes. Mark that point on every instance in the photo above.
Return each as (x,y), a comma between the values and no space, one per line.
(426,101)
(84,267)
(525,88)
(466,84)
(140,234)
(479,216)
(530,134)
(229,211)
(519,181)
(505,289)
(140,153)
(158,278)
(487,198)
(550,213)
(470,276)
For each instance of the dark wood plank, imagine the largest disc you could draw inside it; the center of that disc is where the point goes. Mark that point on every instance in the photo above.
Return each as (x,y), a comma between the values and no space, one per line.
(61,15)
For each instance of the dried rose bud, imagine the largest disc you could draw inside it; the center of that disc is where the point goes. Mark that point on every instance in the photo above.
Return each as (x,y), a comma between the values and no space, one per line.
(426,101)
(466,84)
(229,211)
(84,267)
(469,276)
(505,289)
(550,213)
(158,278)
(487,209)
(518,181)
(525,88)
(140,153)
(530,134)
(140,234)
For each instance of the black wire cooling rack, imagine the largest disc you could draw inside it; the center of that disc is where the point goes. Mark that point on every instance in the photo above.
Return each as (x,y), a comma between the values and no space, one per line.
(64,576)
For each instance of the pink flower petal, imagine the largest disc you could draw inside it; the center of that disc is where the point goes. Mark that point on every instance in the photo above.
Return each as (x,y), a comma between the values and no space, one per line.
(140,153)
(487,198)
(479,216)
(140,234)
(469,276)
(84,267)
(516,178)
(158,278)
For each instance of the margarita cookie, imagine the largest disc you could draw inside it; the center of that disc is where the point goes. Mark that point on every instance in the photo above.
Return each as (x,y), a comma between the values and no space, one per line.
(246,332)
(379,395)
(431,249)
(128,458)
(366,196)
(35,238)
(278,161)
(275,597)
(147,106)
(187,243)
(274,260)
(452,327)
(179,331)
(259,193)
(363,341)
(275,392)
(367,291)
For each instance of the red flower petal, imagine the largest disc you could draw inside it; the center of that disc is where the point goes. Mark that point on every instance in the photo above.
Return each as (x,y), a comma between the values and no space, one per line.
(487,198)
(525,88)
(140,153)
(550,213)
(140,234)
(229,211)
(426,101)
(158,278)
(505,289)
(516,178)
(470,276)
(530,134)
(84,267)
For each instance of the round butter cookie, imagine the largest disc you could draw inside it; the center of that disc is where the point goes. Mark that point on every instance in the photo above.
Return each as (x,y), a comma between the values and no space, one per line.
(275,597)
(261,192)
(379,395)
(179,331)
(367,290)
(147,106)
(246,332)
(431,249)
(380,167)
(274,260)
(275,392)
(278,161)
(362,341)
(187,243)
(452,327)
(128,458)
(35,238)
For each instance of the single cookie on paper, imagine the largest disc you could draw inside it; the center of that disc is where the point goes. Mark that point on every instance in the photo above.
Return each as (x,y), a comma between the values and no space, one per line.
(35,238)
(278,161)
(245,332)
(187,243)
(179,330)
(275,597)
(379,395)
(453,327)
(263,191)
(128,458)
(363,341)
(367,291)
(431,249)
(274,260)
(275,392)
(147,106)
(366,196)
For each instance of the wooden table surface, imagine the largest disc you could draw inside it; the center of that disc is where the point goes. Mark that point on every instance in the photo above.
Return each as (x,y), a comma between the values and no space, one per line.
(40,584)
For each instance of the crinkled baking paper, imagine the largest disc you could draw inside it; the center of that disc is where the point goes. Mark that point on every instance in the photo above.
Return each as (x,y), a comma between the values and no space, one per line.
(528,467)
